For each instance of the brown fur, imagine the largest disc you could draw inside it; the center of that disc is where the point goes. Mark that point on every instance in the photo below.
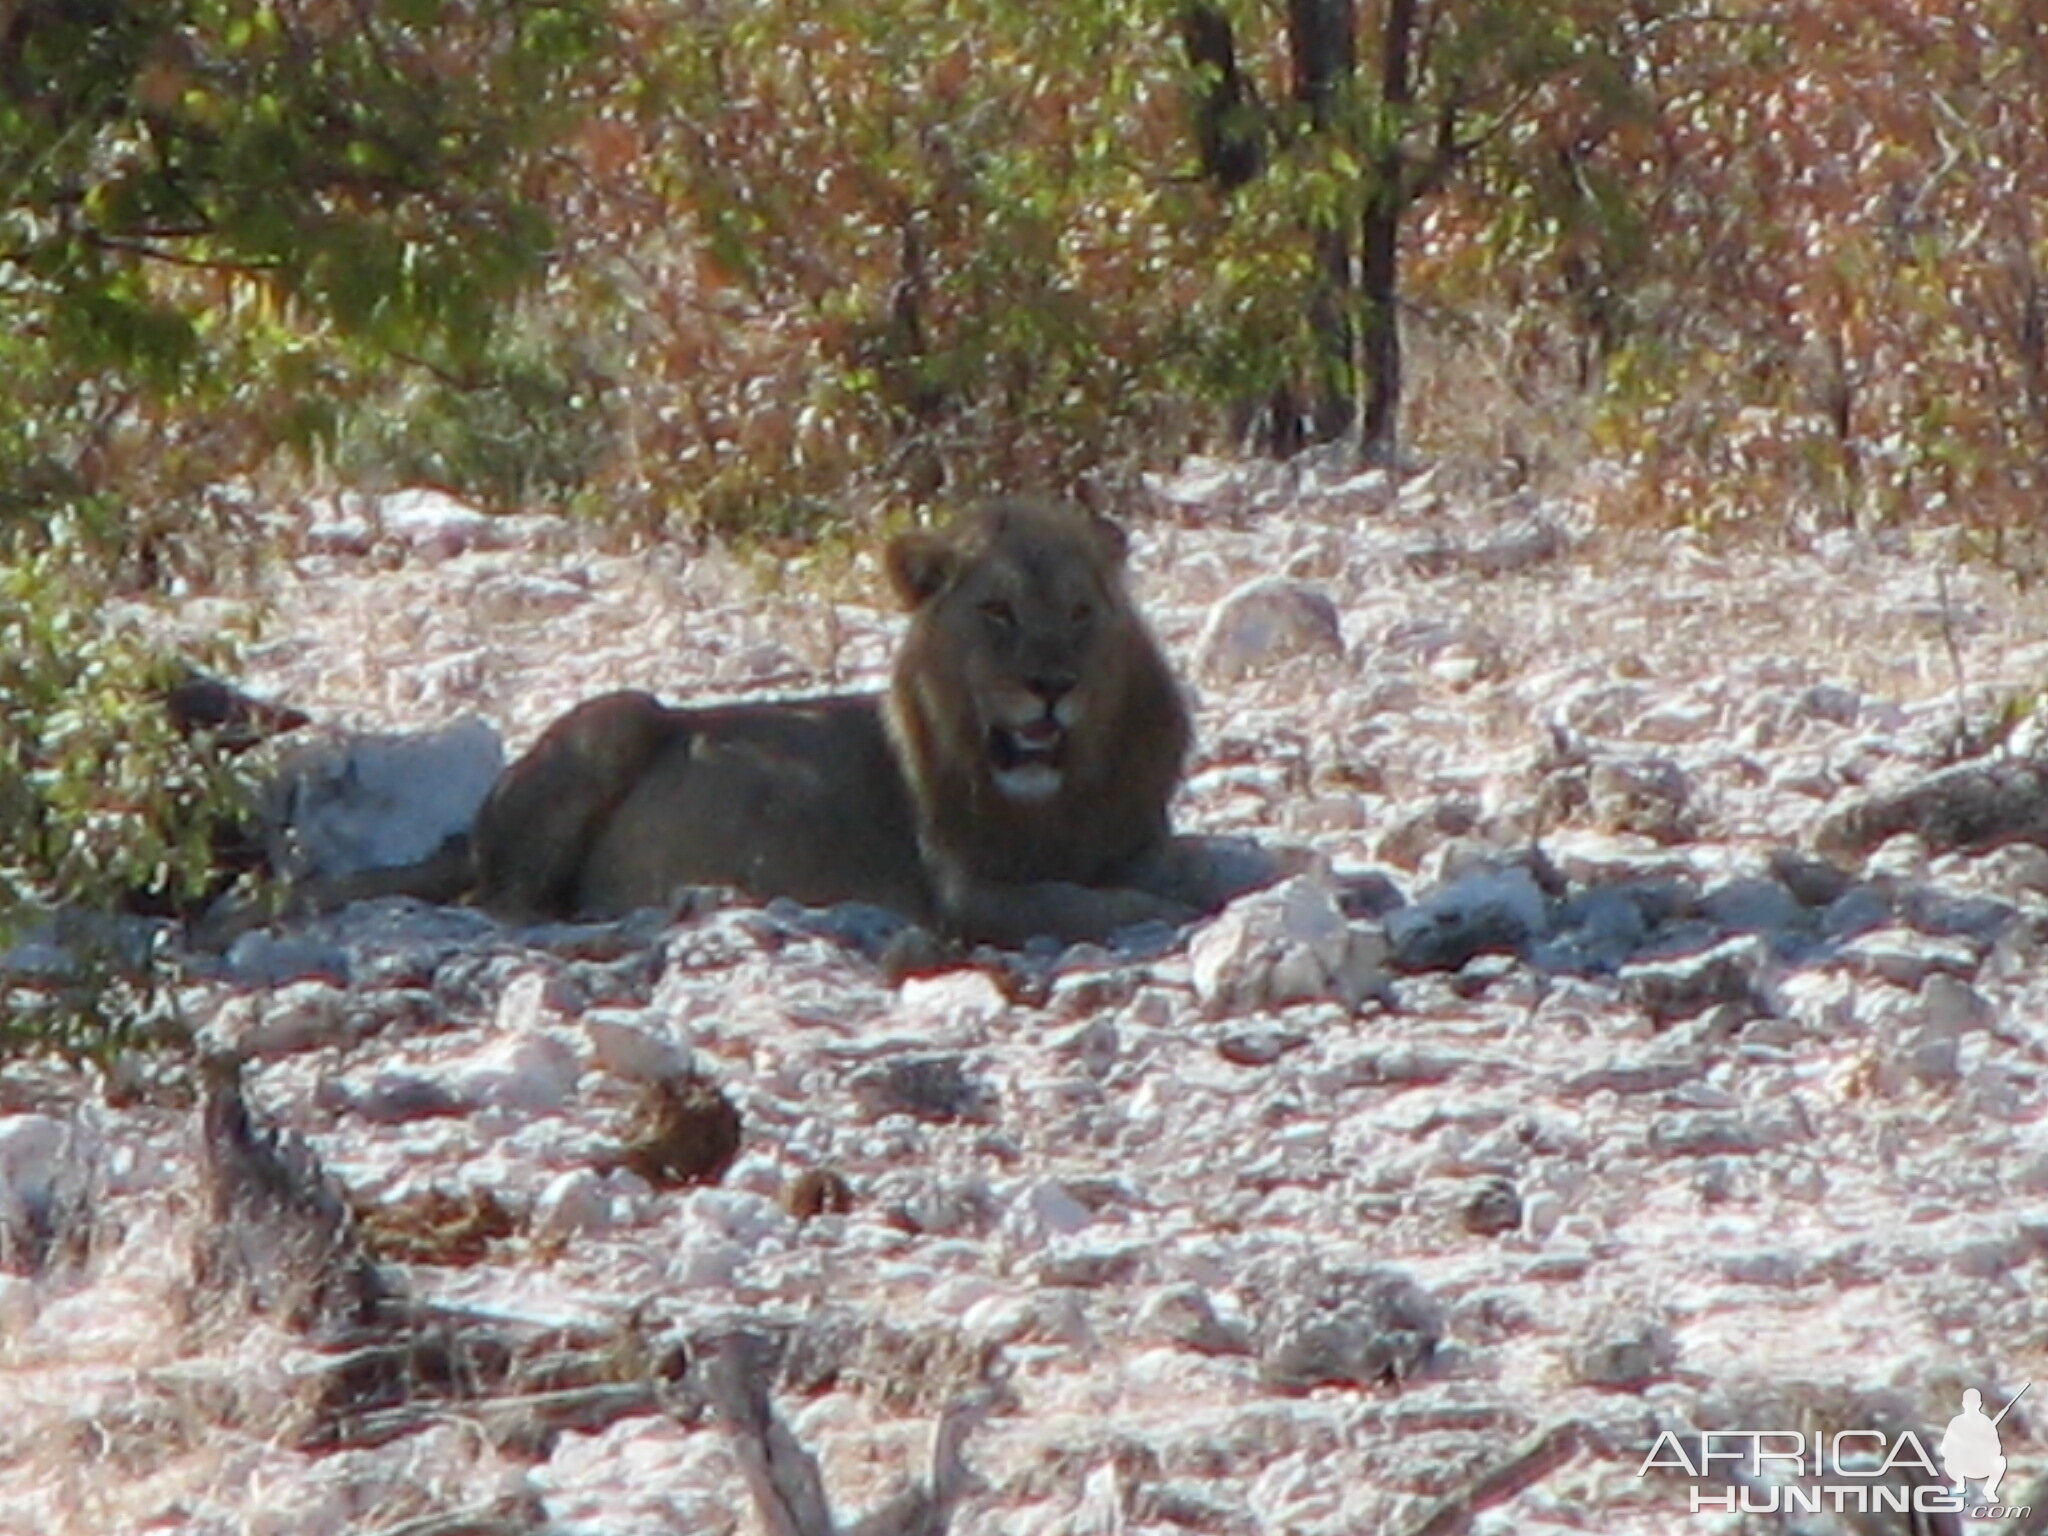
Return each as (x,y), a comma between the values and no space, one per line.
(1014,782)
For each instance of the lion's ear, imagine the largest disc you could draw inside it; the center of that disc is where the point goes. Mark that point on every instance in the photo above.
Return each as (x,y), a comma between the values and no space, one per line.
(1110,539)
(920,565)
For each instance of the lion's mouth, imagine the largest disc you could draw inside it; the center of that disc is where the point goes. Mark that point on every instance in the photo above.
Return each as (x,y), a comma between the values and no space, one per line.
(1028,759)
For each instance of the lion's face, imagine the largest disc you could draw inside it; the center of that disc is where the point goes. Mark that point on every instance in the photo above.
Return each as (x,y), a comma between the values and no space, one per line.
(1023,637)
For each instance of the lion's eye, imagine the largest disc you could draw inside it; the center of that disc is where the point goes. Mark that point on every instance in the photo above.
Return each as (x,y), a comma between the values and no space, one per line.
(999,613)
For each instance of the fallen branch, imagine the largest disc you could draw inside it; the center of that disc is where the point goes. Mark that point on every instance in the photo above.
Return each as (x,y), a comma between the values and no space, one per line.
(1527,1465)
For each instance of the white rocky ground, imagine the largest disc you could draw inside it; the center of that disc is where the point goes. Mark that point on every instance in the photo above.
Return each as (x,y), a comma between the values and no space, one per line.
(1706,1134)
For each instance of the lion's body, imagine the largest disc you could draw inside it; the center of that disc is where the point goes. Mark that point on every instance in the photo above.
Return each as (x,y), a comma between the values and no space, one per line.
(797,799)
(1014,781)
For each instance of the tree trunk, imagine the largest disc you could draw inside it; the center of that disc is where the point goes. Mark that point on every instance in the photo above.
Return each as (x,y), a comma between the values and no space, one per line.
(1322,37)
(1380,246)
(1229,127)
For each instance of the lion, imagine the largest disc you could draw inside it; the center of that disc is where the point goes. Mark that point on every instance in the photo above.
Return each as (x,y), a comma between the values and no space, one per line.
(1012,783)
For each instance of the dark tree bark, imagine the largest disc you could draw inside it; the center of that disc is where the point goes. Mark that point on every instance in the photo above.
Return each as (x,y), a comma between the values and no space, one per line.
(1230,130)
(1322,36)
(1379,267)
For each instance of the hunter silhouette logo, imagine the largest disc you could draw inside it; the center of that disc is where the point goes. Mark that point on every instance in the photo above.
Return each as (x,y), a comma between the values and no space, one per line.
(1971,1446)
(1789,1471)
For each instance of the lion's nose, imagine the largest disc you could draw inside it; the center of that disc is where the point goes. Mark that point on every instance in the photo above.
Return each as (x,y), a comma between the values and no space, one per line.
(1051,686)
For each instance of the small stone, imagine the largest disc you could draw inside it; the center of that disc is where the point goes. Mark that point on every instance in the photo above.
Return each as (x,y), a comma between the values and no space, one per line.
(395,1096)
(931,1086)
(433,523)
(1370,1328)
(1648,796)
(2018,867)
(532,1071)
(303,1016)
(1773,1267)
(1364,894)
(35,1163)
(957,999)
(1491,1207)
(1986,1258)
(818,1192)
(1756,906)
(1954,1004)
(1948,915)
(1263,623)
(1932,1053)
(1089,1264)
(573,1204)
(1685,985)
(1702,1133)
(1541,1214)
(1487,910)
(1087,993)
(1259,1045)
(1656,1075)
(355,802)
(1287,944)
(1857,910)
(1812,882)
(1906,958)
(623,1044)
(1185,1315)
(1631,1355)
(1043,1210)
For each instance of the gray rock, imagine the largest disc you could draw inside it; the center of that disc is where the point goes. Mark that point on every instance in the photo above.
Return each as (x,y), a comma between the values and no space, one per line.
(1774,1267)
(530,1072)
(1365,1328)
(1259,1045)
(433,523)
(1519,546)
(628,1045)
(1492,1206)
(933,1086)
(355,802)
(1264,622)
(1985,1258)
(1758,906)
(1089,1262)
(1487,910)
(1973,805)
(1185,1315)
(300,1016)
(1953,1004)
(391,1097)
(264,958)
(1367,893)
(1289,944)
(1649,796)
(1813,882)
(1656,1075)
(1628,1355)
(574,1204)
(1598,931)
(859,926)
(1684,985)
(1702,1133)
(1906,958)
(1857,910)
(1948,915)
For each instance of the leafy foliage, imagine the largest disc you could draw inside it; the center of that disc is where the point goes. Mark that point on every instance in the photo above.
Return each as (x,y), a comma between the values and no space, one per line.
(226,226)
